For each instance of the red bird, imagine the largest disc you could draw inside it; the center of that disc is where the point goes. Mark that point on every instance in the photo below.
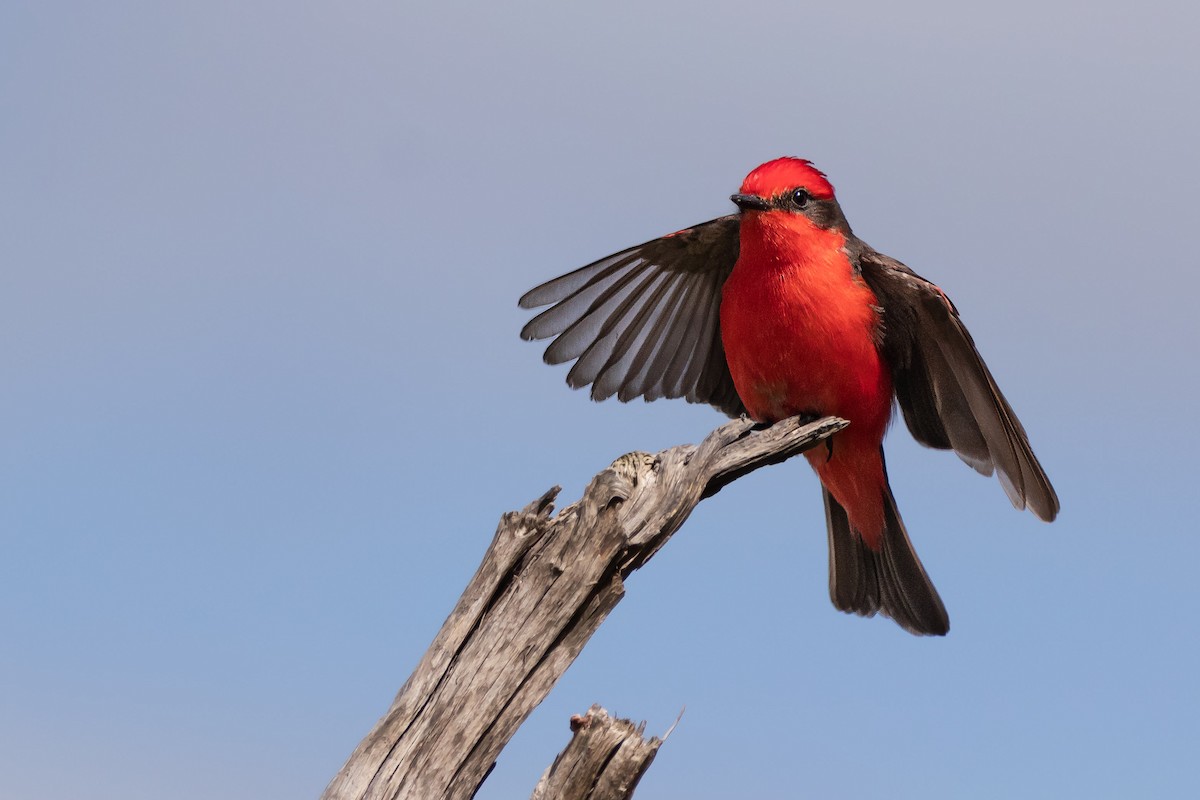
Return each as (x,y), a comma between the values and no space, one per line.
(781,310)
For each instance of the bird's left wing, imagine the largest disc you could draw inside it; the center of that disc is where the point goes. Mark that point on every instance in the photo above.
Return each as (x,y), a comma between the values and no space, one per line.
(947,394)
(645,321)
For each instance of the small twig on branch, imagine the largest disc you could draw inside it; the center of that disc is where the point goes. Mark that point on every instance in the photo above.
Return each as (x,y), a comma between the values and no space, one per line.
(543,589)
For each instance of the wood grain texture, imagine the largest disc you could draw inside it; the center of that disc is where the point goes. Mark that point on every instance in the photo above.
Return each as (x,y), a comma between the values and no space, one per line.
(543,588)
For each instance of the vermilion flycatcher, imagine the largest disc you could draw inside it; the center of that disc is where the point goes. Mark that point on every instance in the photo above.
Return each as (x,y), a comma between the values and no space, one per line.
(780,310)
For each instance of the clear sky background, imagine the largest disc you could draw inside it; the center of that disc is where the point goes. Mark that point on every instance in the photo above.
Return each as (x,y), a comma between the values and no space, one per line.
(262,399)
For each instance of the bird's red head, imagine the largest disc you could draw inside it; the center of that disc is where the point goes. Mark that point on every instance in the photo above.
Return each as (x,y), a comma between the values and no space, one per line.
(787,173)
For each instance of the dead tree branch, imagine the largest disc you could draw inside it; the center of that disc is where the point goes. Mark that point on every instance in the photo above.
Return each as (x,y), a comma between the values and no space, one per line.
(604,761)
(543,589)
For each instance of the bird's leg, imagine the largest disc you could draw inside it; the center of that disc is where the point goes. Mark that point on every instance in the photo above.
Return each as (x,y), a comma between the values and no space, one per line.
(808,417)
(759,425)
(805,418)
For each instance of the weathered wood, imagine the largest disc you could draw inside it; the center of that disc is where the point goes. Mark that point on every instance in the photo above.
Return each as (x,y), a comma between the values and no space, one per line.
(542,590)
(604,760)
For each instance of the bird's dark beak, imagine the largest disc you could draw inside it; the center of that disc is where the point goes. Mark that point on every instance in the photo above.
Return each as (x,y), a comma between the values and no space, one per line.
(750,202)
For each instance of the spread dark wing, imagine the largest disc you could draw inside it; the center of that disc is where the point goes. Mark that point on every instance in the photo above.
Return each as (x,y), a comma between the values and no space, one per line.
(949,398)
(645,321)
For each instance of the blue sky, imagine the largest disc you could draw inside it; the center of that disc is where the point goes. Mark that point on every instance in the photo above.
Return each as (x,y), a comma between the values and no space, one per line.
(264,401)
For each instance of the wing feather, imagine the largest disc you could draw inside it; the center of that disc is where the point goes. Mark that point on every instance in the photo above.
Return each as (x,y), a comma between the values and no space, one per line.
(639,381)
(601,331)
(578,330)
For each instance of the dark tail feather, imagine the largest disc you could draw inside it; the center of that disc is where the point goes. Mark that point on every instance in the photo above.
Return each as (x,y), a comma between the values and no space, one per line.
(891,582)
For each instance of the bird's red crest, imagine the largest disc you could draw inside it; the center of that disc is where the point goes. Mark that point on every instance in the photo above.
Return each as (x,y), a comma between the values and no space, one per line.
(775,176)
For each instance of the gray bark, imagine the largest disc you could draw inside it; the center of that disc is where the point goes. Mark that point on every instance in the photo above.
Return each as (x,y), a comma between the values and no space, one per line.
(545,585)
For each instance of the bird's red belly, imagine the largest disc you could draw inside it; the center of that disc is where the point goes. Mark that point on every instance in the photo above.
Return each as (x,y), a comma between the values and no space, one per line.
(801,345)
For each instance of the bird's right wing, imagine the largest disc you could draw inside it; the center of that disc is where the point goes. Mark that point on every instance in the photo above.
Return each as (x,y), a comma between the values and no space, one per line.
(645,321)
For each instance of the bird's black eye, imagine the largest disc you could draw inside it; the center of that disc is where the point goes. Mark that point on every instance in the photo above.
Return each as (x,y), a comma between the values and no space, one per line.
(800,198)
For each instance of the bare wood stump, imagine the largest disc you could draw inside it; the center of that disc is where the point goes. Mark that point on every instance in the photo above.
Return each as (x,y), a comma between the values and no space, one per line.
(604,761)
(542,590)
